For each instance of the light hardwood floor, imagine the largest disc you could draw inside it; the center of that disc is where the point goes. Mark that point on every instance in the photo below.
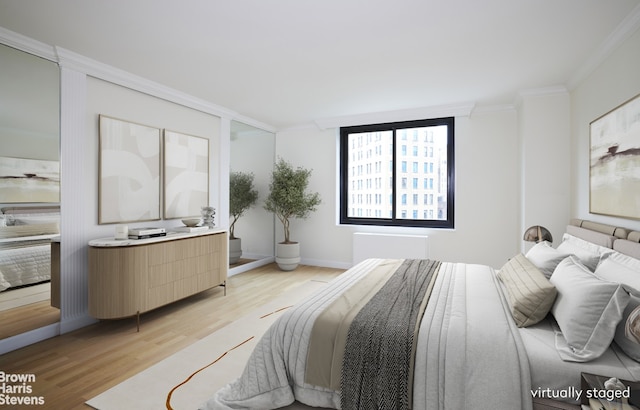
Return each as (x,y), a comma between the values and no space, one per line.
(28,317)
(77,366)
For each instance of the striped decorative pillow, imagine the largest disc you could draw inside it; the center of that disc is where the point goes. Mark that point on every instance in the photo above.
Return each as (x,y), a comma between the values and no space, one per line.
(529,292)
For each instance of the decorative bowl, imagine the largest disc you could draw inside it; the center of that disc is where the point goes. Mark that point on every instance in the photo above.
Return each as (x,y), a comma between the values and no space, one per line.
(191,221)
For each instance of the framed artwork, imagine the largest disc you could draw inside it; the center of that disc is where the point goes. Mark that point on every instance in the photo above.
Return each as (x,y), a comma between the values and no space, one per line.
(129,180)
(186,174)
(29,180)
(614,177)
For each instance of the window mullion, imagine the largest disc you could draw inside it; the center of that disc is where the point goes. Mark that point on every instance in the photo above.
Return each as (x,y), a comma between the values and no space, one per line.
(394,172)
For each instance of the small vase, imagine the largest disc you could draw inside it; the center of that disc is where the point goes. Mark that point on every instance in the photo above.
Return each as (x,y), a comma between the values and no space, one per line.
(208,216)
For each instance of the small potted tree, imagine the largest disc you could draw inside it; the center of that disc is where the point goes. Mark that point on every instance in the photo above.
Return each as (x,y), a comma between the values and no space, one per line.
(242,196)
(288,198)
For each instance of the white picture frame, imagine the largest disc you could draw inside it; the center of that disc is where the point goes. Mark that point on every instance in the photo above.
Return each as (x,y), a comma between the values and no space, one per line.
(129,177)
(186,174)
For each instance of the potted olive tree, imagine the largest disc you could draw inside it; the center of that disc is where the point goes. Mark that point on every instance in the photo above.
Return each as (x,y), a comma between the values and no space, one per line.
(288,198)
(242,196)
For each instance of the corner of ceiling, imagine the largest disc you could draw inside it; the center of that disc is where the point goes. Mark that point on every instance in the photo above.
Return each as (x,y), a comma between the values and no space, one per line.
(623,31)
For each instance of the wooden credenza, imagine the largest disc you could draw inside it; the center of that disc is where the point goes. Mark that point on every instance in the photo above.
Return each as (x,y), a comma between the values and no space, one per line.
(130,277)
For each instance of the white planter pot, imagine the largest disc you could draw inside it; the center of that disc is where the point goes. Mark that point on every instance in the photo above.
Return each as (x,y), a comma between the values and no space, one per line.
(235,250)
(288,255)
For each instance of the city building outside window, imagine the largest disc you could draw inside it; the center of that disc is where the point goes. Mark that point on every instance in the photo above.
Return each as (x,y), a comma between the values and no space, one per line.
(379,152)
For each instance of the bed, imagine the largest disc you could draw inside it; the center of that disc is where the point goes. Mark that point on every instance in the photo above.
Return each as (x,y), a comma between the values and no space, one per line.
(25,245)
(403,334)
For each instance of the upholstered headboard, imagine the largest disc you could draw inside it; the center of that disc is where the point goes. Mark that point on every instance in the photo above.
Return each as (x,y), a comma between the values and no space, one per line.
(21,221)
(611,230)
(623,240)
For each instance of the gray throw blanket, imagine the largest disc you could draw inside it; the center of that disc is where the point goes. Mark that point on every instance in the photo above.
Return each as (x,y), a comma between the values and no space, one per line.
(377,369)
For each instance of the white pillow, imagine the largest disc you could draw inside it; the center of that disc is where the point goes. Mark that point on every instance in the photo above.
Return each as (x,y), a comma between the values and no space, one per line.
(545,257)
(587,310)
(620,268)
(588,253)
(625,270)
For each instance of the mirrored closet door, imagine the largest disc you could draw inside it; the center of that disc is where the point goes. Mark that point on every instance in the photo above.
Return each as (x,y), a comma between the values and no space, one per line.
(29,190)
(252,152)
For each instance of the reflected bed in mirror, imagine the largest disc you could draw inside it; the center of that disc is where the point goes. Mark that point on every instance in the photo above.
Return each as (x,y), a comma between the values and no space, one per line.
(26,235)
(253,151)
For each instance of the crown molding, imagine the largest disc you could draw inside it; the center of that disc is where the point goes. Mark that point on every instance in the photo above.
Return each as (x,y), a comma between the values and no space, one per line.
(26,44)
(484,109)
(625,29)
(452,110)
(69,59)
(254,123)
(536,92)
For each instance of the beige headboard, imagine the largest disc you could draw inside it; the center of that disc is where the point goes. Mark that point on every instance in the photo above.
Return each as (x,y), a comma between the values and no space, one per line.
(625,240)
(616,231)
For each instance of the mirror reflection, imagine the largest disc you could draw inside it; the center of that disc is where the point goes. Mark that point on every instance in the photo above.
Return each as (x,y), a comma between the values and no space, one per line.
(252,153)
(29,190)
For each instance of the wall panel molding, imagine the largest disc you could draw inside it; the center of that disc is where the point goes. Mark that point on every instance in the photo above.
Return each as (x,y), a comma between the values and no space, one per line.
(74,208)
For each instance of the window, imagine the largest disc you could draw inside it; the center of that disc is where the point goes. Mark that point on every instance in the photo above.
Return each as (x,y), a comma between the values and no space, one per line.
(434,138)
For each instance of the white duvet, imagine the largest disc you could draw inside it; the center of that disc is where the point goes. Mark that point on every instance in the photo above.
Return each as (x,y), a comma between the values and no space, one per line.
(469,352)
(24,265)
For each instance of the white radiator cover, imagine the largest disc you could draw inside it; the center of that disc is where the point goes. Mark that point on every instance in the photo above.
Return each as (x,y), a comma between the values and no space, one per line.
(377,245)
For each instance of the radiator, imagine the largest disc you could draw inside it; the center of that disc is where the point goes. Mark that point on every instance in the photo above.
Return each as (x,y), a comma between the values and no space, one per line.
(375,245)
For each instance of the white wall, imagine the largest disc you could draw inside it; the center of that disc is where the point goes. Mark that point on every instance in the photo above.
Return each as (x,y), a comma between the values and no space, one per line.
(544,129)
(487,194)
(613,82)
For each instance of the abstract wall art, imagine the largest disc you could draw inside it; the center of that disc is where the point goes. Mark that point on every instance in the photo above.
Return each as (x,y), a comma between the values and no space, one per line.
(186,174)
(615,162)
(129,188)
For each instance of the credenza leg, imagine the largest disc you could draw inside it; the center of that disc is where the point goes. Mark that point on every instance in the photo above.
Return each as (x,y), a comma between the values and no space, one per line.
(138,321)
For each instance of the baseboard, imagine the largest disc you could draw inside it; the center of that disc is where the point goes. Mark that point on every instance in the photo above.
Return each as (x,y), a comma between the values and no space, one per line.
(28,338)
(251,265)
(70,324)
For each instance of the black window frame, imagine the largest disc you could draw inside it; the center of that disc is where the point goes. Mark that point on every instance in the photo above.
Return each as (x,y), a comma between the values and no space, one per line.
(395,220)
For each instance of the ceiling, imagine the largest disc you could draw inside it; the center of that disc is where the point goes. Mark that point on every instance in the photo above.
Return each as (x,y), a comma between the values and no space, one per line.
(288,63)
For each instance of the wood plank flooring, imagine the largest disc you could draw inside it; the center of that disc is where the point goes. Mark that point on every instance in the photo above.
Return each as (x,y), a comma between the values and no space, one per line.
(77,366)
(28,317)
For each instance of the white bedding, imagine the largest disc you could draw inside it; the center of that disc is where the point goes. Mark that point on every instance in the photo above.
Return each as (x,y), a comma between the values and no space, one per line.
(551,375)
(24,264)
(469,338)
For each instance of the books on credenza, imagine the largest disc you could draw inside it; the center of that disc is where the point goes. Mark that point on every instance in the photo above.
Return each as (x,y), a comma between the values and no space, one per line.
(191,229)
